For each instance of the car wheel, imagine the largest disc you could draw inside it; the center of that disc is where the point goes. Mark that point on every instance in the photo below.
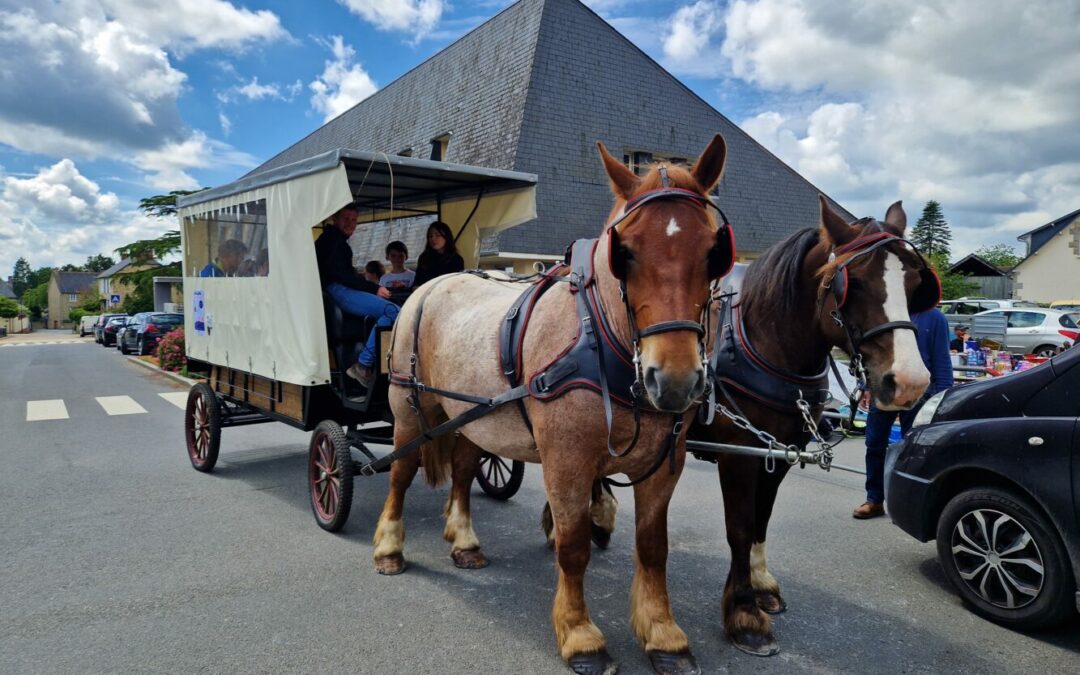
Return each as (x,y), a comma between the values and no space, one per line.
(140,348)
(1044,351)
(1005,558)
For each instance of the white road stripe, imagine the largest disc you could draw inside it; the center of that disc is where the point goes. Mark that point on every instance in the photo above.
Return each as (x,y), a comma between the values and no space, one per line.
(46,410)
(177,398)
(120,405)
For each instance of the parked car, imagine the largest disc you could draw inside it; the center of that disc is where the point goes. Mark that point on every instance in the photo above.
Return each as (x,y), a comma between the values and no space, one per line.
(99,327)
(142,333)
(86,325)
(961,310)
(1066,305)
(108,333)
(992,471)
(121,331)
(1037,331)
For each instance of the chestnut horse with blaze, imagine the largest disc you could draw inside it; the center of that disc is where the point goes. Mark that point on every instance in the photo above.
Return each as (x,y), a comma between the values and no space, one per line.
(651,273)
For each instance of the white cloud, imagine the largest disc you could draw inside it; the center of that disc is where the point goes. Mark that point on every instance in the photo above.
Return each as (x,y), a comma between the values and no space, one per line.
(688,41)
(184,26)
(225,122)
(418,17)
(257,91)
(169,165)
(920,106)
(342,83)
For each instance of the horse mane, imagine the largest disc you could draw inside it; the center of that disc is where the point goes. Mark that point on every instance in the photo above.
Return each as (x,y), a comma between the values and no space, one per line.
(773,279)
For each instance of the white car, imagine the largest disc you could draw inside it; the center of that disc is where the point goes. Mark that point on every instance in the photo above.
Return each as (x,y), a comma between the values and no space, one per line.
(1037,331)
(86,325)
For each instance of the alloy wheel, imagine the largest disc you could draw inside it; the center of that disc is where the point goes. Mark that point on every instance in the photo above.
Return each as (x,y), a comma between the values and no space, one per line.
(997,558)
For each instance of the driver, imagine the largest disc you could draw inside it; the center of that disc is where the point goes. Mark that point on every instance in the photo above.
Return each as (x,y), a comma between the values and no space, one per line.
(350,290)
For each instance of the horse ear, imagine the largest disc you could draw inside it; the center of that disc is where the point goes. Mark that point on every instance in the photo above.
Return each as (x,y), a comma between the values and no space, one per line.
(710,166)
(623,181)
(896,218)
(837,230)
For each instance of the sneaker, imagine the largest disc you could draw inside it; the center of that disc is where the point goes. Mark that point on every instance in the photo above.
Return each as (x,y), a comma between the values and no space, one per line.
(361,374)
(868,510)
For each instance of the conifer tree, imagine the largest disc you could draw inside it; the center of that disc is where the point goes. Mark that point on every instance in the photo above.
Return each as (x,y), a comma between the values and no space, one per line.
(931,234)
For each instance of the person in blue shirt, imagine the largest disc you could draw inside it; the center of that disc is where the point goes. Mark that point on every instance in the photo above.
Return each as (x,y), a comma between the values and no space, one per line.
(230,256)
(933,341)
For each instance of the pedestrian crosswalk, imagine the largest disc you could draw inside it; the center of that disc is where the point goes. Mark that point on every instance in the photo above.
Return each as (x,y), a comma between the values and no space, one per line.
(45,342)
(56,409)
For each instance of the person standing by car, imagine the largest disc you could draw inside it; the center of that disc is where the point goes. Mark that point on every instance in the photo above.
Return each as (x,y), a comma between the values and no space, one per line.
(440,256)
(349,289)
(933,340)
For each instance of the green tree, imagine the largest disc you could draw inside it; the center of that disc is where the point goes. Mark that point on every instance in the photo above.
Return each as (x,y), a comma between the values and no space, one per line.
(71,268)
(39,276)
(98,263)
(36,299)
(163,206)
(999,255)
(9,309)
(931,233)
(20,277)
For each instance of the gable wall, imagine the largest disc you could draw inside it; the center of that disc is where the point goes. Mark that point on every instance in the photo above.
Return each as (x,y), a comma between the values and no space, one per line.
(1053,272)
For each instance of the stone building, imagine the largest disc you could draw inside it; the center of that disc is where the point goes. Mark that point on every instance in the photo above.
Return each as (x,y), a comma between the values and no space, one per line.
(67,290)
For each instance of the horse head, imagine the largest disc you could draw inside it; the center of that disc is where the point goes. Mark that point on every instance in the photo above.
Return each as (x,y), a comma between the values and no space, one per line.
(871,284)
(663,247)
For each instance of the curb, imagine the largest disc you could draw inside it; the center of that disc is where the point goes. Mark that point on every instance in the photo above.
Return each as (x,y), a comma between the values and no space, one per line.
(172,376)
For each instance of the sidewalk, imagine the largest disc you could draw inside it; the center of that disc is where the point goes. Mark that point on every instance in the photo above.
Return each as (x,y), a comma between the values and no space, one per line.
(50,336)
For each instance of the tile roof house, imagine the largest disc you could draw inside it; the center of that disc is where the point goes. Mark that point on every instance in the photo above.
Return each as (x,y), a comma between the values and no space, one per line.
(67,290)
(1051,269)
(6,291)
(532,90)
(110,286)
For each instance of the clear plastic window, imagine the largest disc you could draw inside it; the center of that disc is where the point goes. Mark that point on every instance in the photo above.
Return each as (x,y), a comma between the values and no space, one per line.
(229,242)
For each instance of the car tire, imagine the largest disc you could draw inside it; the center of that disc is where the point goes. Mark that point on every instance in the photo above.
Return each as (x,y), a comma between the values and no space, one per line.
(123,348)
(1044,351)
(1035,579)
(140,348)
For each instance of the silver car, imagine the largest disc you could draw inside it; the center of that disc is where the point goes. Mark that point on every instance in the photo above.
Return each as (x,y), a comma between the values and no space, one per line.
(960,311)
(1037,331)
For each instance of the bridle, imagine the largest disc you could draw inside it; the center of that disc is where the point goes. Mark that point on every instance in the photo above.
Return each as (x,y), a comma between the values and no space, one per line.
(927,295)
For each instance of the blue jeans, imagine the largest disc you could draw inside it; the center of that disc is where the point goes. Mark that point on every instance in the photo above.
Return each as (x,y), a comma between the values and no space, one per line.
(878,425)
(359,303)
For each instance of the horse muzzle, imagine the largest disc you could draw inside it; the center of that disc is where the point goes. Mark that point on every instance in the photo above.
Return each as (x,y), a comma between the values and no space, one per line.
(673,392)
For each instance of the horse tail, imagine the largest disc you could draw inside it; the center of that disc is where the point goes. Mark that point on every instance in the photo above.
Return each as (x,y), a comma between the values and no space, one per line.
(436,457)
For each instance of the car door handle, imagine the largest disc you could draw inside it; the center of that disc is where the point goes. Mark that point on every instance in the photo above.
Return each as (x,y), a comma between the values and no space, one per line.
(1035,441)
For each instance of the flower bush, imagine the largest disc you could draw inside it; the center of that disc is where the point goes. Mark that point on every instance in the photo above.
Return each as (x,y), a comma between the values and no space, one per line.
(171,351)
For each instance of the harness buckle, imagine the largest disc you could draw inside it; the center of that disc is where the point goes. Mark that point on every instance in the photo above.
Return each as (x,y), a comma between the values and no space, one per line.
(541,385)
(836,317)
(366,470)
(676,429)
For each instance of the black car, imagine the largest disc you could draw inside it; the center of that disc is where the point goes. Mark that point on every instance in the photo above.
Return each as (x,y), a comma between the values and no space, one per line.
(99,326)
(142,333)
(121,332)
(992,471)
(112,326)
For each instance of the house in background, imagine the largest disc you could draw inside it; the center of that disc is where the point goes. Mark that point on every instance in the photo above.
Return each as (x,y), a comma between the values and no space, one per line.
(993,281)
(1051,269)
(68,290)
(6,291)
(532,90)
(113,286)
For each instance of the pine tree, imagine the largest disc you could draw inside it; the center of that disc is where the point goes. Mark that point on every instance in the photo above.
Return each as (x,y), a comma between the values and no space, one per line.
(20,277)
(931,234)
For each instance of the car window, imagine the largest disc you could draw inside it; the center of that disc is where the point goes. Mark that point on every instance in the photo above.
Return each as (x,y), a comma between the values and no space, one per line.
(967,308)
(1068,320)
(983,306)
(1060,398)
(1025,319)
(946,307)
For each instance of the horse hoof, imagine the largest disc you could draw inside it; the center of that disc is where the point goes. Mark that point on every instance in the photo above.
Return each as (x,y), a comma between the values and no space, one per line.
(390,564)
(596,663)
(469,560)
(756,644)
(770,603)
(600,536)
(674,663)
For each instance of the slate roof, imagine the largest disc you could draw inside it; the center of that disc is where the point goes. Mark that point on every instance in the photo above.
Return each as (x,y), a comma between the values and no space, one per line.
(115,268)
(6,291)
(976,266)
(532,90)
(74,282)
(1037,238)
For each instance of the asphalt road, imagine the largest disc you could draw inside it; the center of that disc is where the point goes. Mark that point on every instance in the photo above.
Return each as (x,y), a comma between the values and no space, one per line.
(118,557)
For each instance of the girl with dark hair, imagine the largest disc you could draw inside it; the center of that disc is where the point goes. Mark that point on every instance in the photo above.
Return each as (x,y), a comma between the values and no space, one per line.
(440,256)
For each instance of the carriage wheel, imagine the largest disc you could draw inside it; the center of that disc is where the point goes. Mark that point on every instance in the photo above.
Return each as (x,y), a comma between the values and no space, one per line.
(499,478)
(202,427)
(330,476)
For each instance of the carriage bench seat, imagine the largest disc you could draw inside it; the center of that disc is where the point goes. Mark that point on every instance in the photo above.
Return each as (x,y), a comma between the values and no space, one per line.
(346,333)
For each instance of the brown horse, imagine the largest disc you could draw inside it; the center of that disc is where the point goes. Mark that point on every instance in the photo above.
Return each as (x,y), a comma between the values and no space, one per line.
(652,269)
(794,305)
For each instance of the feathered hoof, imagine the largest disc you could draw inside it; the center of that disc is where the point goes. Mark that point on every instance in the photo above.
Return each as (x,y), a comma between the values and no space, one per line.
(755,644)
(596,663)
(390,564)
(674,663)
(469,560)
(769,602)
(600,536)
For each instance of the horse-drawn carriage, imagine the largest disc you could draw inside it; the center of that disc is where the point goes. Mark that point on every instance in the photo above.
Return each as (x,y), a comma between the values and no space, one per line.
(272,347)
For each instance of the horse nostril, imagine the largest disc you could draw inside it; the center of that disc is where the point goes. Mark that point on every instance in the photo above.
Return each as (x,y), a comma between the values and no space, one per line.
(650,379)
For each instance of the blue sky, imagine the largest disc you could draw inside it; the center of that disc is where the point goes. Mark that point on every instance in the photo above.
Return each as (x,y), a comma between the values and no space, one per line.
(975,104)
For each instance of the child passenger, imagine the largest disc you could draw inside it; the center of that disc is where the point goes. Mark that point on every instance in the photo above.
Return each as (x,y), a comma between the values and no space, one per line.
(398,278)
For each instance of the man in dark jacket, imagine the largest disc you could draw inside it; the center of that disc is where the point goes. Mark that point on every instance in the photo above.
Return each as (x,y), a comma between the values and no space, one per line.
(933,341)
(349,289)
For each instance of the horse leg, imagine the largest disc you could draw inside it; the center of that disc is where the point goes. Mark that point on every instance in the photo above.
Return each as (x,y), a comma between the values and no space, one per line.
(580,642)
(465,546)
(390,533)
(747,626)
(602,511)
(766,588)
(650,607)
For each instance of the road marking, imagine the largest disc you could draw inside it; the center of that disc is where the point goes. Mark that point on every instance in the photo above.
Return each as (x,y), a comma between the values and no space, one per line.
(177,398)
(37,411)
(120,405)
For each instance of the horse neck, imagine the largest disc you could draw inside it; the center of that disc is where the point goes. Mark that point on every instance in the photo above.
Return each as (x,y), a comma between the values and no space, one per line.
(610,300)
(794,343)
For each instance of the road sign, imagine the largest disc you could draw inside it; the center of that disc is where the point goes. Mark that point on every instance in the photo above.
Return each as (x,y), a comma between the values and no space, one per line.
(114,299)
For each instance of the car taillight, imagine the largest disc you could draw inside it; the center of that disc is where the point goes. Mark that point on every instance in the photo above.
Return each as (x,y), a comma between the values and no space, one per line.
(151,328)
(1071,334)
